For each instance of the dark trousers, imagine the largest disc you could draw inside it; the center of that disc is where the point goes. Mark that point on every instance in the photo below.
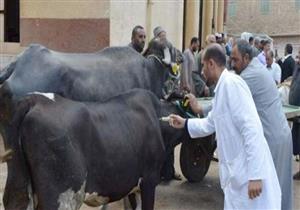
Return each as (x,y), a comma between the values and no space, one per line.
(296,137)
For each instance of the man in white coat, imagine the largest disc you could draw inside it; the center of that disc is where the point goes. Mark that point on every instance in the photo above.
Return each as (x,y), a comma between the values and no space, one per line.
(247,173)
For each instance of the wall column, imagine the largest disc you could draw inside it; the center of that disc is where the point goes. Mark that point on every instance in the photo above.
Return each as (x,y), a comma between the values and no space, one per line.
(207,19)
(191,21)
(220,16)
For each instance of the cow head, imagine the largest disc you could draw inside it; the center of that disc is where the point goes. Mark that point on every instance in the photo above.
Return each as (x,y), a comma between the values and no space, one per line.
(166,54)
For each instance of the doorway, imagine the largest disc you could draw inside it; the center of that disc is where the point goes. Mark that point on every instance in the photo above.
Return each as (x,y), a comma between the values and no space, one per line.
(11,20)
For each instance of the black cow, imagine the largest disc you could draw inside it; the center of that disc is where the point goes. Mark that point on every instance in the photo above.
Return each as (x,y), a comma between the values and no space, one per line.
(82,77)
(65,149)
(88,77)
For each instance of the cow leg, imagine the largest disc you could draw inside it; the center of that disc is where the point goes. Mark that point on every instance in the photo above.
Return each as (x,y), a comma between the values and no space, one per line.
(130,202)
(18,188)
(148,194)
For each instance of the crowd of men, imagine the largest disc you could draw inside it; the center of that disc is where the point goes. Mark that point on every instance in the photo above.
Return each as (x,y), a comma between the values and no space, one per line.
(260,116)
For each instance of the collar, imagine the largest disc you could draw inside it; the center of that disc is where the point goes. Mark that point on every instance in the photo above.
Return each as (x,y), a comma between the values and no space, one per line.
(287,56)
(224,73)
(269,67)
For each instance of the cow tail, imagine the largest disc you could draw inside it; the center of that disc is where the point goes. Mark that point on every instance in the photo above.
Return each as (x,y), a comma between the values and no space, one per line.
(21,111)
(7,71)
(18,163)
(22,108)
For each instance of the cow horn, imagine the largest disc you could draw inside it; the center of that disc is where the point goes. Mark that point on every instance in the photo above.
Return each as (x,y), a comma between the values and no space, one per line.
(6,156)
(167,56)
(7,71)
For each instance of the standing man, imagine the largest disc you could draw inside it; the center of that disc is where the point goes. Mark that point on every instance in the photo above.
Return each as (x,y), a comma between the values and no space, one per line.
(199,80)
(287,64)
(273,67)
(251,40)
(256,49)
(247,173)
(138,37)
(266,46)
(189,65)
(276,129)
(294,99)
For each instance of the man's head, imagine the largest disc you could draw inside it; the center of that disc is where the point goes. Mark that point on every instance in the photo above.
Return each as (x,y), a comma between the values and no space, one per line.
(194,44)
(241,55)
(256,42)
(288,49)
(213,61)
(138,37)
(261,44)
(210,39)
(269,58)
(219,38)
(159,32)
(251,40)
(266,46)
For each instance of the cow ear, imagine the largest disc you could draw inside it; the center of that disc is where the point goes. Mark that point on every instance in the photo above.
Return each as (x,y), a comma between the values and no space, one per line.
(167,56)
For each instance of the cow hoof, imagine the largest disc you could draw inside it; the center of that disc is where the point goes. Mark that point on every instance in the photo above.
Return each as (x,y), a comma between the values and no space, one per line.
(95,200)
(297,176)
(177,176)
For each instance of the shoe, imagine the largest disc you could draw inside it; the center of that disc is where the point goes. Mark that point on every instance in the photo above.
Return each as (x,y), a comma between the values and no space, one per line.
(297,158)
(215,157)
(297,176)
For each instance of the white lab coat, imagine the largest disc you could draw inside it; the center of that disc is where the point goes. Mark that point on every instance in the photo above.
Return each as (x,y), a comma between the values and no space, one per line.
(242,148)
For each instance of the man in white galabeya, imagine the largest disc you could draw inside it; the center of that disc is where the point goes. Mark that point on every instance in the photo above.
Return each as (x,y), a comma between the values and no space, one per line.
(269,108)
(247,173)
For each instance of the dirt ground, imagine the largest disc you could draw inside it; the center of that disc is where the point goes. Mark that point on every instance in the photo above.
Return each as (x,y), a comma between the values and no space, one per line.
(177,195)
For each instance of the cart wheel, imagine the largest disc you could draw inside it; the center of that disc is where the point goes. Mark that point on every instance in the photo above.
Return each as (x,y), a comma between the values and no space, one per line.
(195,157)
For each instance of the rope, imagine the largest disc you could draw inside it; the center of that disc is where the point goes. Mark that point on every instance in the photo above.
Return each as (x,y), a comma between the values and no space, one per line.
(157,58)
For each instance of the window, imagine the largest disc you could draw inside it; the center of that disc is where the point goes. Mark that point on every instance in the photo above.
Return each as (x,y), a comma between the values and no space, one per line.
(264,7)
(11,13)
(232,8)
(1,20)
(297,4)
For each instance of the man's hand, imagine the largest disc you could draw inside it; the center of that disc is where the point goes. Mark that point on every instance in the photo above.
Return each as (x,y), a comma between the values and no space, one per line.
(176,121)
(254,188)
(195,106)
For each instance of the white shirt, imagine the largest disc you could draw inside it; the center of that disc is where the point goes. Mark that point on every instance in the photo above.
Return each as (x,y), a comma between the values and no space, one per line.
(242,148)
(275,72)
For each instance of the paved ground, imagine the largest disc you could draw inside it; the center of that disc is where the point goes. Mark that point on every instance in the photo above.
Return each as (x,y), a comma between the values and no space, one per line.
(178,195)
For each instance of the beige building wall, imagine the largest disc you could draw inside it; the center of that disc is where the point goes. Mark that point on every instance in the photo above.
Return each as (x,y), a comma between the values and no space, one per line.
(279,19)
(124,15)
(90,25)
(69,26)
(169,15)
(282,17)
(62,9)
